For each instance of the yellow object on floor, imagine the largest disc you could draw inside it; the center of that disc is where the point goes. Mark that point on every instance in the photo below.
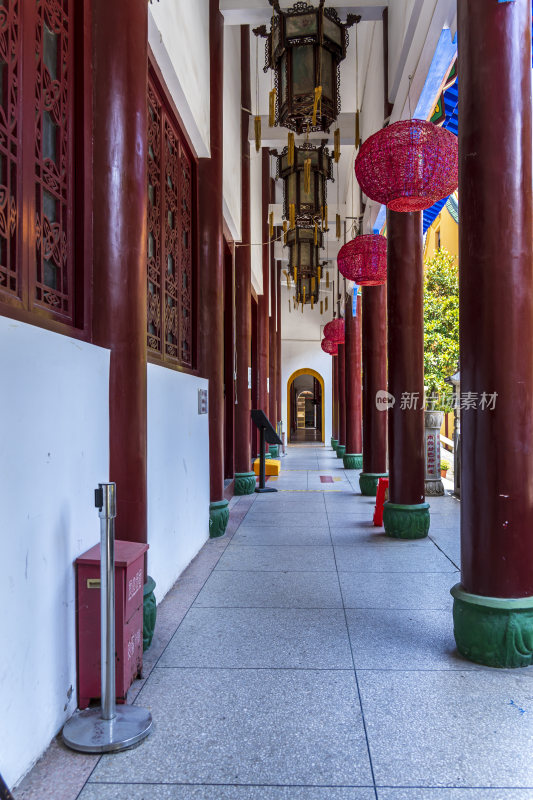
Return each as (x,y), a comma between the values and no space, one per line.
(272,466)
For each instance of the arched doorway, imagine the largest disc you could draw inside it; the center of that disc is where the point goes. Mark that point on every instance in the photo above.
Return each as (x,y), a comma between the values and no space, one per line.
(305,406)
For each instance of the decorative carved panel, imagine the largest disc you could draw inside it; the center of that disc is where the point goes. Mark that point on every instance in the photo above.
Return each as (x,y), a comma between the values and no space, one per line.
(10,283)
(169,263)
(53,161)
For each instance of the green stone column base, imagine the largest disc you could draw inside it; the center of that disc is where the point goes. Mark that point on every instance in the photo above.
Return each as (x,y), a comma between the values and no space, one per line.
(274,450)
(494,631)
(353,460)
(341,449)
(218,518)
(334,443)
(368,482)
(244,483)
(149,612)
(406,522)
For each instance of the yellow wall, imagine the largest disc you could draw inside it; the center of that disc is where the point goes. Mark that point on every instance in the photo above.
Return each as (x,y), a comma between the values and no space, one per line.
(449,236)
(449,240)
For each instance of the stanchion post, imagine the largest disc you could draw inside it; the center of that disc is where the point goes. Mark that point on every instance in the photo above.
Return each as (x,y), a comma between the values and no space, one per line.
(108,728)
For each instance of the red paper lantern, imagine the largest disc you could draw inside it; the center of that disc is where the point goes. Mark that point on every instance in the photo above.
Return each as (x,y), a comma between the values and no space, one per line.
(329,347)
(334,330)
(364,260)
(409,165)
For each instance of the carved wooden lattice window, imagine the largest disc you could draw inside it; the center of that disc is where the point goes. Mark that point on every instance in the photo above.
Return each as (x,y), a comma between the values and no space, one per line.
(169,269)
(10,48)
(36,156)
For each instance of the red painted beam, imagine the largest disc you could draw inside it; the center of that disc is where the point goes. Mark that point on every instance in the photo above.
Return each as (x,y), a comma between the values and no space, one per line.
(496,290)
(374,354)
(119,220)
(353,389)
(342,393)
(211,266)
(243,295)
(405,348)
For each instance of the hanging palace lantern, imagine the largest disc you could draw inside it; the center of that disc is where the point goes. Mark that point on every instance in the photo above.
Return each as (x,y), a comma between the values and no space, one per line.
(329,347)
(364,260)
(305,46)
(334,330)
(304,253)
(409,165)
(305,170)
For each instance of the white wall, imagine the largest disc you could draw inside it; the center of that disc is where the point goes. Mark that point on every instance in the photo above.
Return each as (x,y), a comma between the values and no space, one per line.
(232,131)
(54,411)
(178,33)
(178,474)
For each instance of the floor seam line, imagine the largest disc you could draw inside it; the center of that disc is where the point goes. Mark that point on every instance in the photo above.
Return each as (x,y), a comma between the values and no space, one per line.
(354,668)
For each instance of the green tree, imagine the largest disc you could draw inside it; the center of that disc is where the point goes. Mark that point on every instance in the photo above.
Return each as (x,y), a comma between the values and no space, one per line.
(441,321)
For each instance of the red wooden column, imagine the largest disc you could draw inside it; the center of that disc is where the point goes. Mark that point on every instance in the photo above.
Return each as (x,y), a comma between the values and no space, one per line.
(341,366)
(335,402)
(374,349)
(263,328)
(353,457)
(211,277)
(406,515)
(272,336)
(120,66)
(278,336)
(244,478)
(493,608)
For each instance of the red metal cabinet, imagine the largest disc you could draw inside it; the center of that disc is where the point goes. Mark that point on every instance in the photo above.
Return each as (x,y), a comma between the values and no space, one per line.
(129,574)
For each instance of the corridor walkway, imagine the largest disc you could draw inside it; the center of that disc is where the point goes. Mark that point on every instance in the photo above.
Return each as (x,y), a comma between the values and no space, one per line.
(307,656)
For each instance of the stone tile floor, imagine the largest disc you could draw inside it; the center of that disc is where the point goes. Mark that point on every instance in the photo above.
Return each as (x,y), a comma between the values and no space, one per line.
(307,656)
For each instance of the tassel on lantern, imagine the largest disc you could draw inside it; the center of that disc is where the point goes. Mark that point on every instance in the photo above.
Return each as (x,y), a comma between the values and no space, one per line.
(272,108)
(289,306)
(316,233)
(313,284)
(321,306)
(292,215)
(307,175)
(357,130)
(284,231)
(295,274)
(304,294)
(325,228)
(327,280)
(337,145)
(290,149)
(271,225)
(319,273)
(302,308)
(317,100)
(326,303)
(312,302)
(338,225)
(257,132)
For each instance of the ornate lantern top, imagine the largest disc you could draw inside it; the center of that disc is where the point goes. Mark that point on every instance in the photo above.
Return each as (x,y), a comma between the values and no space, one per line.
(364,260)
(334,330)
(409,165)
(305,180)
(329,347)
(305,46)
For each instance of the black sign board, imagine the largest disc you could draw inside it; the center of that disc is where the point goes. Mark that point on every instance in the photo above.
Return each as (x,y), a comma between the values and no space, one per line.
(266,434)
(260,420)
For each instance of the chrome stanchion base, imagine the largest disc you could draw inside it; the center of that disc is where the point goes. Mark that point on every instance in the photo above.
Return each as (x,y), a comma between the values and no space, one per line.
(87,732)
